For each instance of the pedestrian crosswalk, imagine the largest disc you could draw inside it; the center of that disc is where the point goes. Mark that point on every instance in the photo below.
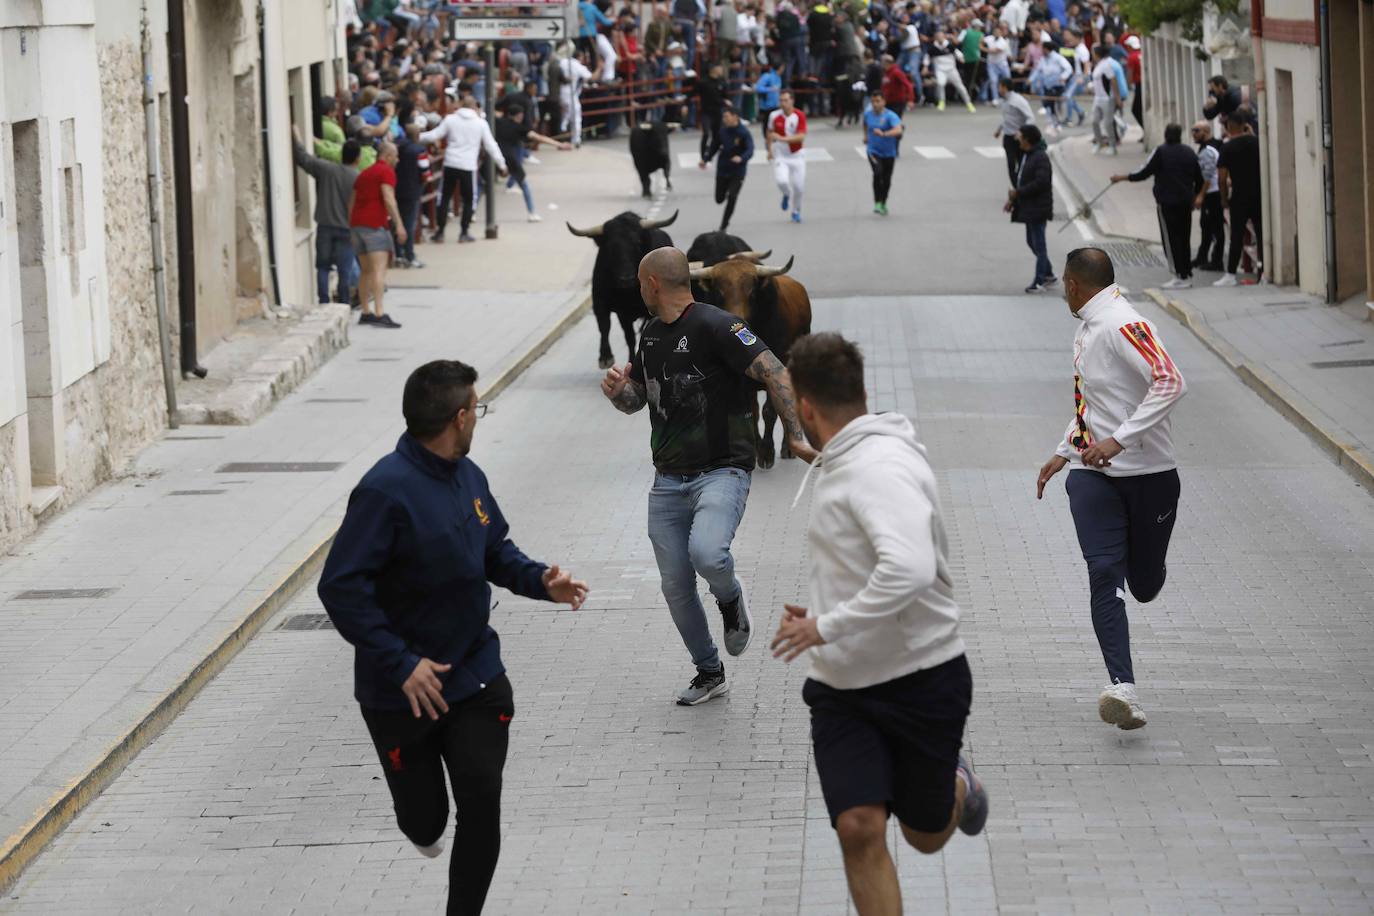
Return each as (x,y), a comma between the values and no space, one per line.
(822,154)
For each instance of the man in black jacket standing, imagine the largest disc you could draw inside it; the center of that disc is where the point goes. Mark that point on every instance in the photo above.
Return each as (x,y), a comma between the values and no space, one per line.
(1032,202)
(1178,179)
(406,583)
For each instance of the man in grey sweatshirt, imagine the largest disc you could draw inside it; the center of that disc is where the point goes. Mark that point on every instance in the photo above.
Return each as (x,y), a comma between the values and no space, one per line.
(890,687)
(333,188)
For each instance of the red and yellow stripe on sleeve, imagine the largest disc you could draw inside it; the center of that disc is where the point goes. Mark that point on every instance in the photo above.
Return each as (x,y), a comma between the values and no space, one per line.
(1140,336)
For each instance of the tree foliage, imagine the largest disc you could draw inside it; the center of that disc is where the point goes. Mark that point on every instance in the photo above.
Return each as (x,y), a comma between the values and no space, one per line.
(1148,15)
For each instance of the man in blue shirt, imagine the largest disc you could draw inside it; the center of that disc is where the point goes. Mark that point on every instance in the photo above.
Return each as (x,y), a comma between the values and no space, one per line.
(766,94)
(882,135)
(406,583)
(736,148)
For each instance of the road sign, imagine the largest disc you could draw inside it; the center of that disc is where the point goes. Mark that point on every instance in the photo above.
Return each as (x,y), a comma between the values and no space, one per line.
(528,29)
(506,3)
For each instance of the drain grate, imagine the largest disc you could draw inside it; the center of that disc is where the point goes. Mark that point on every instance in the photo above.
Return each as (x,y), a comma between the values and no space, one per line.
(189,438)
(278,467)
(1344,343)
(1286,302)
(196,492)
(52,594)
(1344,364)
(1131,254)
(307,622)
(336,400)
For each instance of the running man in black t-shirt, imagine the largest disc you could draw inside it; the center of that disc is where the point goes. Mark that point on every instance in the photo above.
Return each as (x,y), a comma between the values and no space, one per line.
(696,370)
(512,134)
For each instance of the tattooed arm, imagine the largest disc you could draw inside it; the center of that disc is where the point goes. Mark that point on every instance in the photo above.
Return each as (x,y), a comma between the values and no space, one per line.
(772,374)
(624,392)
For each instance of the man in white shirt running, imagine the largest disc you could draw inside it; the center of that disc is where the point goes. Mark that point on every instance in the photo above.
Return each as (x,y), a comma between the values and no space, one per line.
(786,136)
(1124,492)
(1106,100)
(889,687)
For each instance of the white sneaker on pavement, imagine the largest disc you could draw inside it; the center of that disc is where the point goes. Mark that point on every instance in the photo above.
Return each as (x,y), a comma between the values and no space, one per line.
(1118,705)
(1226,280)
(535,218)
(1177,283)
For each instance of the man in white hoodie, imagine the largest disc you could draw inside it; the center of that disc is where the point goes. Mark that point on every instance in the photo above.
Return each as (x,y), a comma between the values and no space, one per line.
(889,687)
(1124,492)
(466,135)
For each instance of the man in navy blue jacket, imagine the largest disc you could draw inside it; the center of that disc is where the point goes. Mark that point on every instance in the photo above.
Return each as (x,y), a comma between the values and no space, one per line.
(406,583)
(736,148)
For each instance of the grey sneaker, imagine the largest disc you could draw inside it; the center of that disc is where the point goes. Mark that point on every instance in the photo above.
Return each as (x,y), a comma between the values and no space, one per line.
(975,800)
(739,626)
(705,686)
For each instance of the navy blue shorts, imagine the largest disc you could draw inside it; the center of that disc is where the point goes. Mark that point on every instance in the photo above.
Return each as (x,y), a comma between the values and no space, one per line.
(896,743)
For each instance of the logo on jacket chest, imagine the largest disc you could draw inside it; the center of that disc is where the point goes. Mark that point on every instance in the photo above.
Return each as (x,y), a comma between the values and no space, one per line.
(481,513)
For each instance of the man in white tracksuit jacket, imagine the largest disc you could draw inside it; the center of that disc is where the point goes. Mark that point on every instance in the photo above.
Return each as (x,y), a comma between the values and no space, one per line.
(1124,492)
(466,135)
(889,687)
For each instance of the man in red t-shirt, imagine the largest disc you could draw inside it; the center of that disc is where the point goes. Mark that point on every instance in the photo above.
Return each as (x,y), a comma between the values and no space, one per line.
(372,203)
(898,90)
(786,133)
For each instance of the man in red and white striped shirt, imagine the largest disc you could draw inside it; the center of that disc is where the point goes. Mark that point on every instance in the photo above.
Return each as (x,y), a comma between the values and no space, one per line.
(1124,492)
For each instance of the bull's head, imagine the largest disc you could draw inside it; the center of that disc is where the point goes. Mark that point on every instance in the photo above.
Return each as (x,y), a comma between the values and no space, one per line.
(733,281)
(599,229)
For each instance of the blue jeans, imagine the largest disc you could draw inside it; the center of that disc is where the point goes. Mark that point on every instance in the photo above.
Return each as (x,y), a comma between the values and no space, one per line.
(410,216)
(692,520)
(996,71)
(333,248)
(910,62)
(1071,99)
(1035,240)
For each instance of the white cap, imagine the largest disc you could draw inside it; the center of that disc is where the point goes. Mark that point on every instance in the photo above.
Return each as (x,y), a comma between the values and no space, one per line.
(1132,42)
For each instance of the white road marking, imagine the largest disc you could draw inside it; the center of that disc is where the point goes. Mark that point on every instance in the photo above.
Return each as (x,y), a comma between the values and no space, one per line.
(991,152)
(861,152)
(934,152)
(817,154)
(1078,224)
(688,160)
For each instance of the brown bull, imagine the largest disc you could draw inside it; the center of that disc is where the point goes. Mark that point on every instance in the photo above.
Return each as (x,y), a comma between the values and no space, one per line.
(775,306)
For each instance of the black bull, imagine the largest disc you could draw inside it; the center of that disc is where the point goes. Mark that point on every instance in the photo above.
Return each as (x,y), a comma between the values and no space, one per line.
(622,242)
(649,150)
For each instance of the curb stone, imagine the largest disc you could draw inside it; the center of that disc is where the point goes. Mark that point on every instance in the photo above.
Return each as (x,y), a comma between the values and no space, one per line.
(19,850)
(1079,199)
(1307,417)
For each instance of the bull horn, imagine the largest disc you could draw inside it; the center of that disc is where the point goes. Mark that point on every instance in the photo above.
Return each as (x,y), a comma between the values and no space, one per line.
(695,265)
(591,232)
(775,271)
(658,223)
(756,256)
(702,273)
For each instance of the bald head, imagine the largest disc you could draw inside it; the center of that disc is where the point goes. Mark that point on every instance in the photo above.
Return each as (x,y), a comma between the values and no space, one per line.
(670,267)
(1202,130)
(388,153)
(665,282)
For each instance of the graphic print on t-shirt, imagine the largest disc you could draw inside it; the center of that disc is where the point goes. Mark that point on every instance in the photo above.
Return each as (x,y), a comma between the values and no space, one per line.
(701,404)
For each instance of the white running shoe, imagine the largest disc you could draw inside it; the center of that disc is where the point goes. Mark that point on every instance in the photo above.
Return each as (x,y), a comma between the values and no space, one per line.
(533,160)
(1226,280)
(433,850)
(1118,705)
(1177,283)
(535,218)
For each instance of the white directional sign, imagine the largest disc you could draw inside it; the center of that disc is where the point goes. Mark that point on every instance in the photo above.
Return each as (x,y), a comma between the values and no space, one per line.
(532,29)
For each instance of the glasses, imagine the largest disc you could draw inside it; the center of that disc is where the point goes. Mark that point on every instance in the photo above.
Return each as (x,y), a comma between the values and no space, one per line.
(480,409)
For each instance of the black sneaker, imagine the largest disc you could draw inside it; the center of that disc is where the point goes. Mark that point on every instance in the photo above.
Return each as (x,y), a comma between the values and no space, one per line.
(739,626)
(1034,288)
(367,318)
(437,236)
(465,238)
(705,686)
(385,321)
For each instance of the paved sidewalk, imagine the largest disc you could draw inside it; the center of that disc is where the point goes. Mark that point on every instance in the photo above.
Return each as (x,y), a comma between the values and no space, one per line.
(1249,791)
(1312,361)
(109,609)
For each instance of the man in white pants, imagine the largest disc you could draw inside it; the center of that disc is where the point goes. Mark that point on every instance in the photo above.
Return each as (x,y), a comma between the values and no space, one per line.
(1106,100)
(575,74)
(890,686)
(786,134)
